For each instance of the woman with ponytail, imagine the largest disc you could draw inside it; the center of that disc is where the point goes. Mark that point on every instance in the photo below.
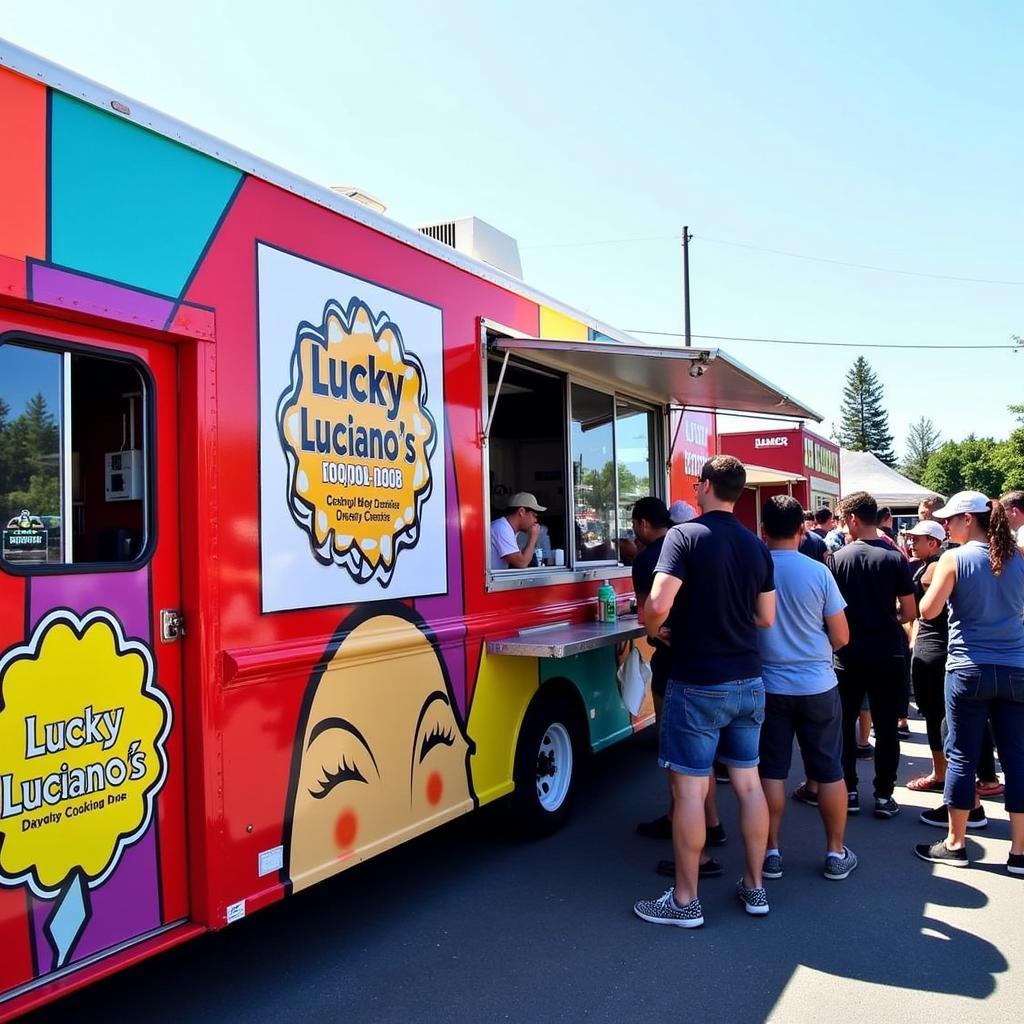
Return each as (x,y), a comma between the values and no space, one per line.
(983,582)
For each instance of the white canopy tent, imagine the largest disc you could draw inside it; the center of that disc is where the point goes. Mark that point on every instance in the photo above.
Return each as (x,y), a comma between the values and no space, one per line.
(862,471)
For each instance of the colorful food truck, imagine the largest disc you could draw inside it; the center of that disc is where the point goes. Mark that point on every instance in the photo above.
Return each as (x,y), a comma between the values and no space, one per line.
(251,438)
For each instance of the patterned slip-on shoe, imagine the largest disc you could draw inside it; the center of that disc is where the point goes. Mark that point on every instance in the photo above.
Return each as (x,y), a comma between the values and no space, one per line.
(755,901)
(665,910)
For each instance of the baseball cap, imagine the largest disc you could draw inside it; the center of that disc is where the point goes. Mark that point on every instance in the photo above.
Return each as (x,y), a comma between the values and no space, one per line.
(524,499)
(961,502)
(928,528)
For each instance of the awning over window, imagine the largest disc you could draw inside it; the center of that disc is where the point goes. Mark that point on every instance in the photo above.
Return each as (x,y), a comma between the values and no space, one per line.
(703,378)
(762,476)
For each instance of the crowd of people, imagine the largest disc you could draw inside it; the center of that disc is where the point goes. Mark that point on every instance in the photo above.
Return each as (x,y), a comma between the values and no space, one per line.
(817,633)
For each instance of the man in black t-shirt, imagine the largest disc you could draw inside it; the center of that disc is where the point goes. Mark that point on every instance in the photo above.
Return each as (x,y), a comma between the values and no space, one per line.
(875,580)
(714,585)
(812,544)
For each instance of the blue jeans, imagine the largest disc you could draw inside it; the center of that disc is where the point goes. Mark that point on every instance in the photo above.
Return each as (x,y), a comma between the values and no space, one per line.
(974,695)
(698,721)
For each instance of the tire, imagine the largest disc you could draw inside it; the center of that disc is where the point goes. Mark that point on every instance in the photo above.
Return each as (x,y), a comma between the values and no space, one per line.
(547,766)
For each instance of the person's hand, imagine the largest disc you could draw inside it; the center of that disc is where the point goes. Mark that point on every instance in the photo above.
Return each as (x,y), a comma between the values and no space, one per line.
(534,532)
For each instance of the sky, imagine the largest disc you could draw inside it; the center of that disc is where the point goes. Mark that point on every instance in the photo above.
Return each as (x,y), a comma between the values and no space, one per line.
(878,134)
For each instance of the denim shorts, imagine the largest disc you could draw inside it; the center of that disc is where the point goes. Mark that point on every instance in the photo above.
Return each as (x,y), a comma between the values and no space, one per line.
(700,724)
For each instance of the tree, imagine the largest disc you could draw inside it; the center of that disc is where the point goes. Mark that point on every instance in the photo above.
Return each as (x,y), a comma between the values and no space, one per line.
(1009,455)
(864,423)
(923,441)
(972,464)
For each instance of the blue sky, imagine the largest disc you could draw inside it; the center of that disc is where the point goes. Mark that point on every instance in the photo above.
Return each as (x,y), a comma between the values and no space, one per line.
(879,134)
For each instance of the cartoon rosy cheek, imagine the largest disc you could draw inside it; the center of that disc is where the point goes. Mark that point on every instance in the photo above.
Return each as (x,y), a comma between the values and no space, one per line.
(345,829)
(435,789)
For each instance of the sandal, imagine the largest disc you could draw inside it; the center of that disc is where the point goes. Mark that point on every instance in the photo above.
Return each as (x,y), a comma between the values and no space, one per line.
(994,788)
(926,784)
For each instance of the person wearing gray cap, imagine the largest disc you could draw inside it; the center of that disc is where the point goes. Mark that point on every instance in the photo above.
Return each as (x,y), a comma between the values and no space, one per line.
(521,515)
(983,583)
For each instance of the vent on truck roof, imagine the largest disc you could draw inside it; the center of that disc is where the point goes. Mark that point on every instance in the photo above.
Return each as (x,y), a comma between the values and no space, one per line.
(480,240)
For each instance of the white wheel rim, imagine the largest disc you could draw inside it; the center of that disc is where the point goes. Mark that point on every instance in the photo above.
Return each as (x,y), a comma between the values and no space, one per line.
(554,767)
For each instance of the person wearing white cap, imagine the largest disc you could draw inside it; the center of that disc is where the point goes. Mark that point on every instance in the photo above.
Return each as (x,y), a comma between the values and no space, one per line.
(983,582)
(521,514)
(928,665)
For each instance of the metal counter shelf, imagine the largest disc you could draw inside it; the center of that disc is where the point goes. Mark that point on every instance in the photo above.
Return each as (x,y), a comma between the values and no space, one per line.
(564,639)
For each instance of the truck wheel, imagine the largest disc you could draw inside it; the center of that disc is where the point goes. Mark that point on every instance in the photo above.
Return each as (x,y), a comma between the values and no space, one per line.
(546,766)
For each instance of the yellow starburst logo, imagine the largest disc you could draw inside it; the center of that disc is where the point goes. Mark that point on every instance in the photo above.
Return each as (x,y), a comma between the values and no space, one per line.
(82,733)
(358,439)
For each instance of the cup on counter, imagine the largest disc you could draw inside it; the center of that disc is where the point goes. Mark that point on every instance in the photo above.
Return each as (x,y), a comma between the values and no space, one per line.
(558,556)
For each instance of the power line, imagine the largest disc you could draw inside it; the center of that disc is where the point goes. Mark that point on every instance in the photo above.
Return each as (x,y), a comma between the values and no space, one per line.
(863,266)
(826,344)
(783,252)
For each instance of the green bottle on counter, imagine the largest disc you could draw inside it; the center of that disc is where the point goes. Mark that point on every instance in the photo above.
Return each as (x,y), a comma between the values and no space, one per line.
(606,602)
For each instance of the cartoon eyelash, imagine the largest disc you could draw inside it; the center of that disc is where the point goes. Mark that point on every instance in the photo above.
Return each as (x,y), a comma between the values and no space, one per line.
(436,736)
(346,773)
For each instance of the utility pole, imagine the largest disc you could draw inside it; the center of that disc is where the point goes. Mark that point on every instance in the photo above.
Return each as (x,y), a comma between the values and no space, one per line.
(686,286)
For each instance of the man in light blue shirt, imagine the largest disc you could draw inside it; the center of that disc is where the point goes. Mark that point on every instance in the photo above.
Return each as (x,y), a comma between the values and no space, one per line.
(801,692)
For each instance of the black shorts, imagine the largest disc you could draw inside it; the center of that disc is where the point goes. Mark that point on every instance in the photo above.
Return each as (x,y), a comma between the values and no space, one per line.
(816,721)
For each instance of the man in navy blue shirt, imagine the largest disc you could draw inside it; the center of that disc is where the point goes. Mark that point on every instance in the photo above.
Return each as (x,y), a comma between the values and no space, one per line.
(713,587)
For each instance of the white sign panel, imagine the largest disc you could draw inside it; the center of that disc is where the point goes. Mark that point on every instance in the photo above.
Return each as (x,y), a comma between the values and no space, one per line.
(352,488)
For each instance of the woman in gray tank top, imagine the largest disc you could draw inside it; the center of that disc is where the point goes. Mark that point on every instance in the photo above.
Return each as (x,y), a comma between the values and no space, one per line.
(983,581)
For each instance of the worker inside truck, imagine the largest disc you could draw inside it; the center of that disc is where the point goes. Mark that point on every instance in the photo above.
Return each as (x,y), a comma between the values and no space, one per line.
(521,517)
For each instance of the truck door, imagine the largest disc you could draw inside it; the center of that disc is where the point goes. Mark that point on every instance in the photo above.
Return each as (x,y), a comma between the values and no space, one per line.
(92,806)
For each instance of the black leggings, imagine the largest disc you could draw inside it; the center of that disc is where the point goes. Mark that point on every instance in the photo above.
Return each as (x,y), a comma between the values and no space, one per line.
(929,676)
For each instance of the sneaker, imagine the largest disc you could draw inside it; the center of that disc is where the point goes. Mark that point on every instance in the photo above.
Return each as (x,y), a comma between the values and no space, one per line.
(716,835)
(940,853)
(721,773)
(837,868)
(709,869)
(865,750)
(1015,864)
(772,867)
(659,828)
(665,910)
(903,731)
(803,795)
(852,803)
(755,901)
(886,807)
(939,817)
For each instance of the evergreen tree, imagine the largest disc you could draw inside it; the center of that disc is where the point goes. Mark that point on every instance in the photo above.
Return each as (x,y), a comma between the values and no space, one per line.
(923,441)
(864,423)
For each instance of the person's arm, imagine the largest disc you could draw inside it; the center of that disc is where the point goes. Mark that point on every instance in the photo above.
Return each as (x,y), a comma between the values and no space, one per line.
(940,588)
(908,608)
(660,601)
(522,559)
(764,609)
(838,630)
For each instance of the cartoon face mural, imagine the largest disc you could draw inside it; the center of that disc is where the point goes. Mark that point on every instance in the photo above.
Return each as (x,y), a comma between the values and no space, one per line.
(363,780)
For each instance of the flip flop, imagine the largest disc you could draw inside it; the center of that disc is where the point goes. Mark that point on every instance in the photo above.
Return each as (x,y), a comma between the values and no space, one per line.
(926,784)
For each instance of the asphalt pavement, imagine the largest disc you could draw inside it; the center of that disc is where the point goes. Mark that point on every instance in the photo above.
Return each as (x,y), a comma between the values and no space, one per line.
(467,925)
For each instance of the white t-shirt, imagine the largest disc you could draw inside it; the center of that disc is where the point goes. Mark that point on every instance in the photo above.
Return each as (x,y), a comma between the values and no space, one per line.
(503,542)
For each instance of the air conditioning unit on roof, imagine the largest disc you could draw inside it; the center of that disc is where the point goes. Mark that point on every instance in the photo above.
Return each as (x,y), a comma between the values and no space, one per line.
(480,240)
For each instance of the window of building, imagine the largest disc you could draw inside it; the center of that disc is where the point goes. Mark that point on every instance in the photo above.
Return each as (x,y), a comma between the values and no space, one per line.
(73,458)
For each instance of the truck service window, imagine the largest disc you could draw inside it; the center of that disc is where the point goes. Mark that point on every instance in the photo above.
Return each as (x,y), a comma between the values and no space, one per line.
(527,447)
(73,451)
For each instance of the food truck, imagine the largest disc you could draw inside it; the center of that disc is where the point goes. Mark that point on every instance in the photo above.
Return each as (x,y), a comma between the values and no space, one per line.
(252,435)
(784,459)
